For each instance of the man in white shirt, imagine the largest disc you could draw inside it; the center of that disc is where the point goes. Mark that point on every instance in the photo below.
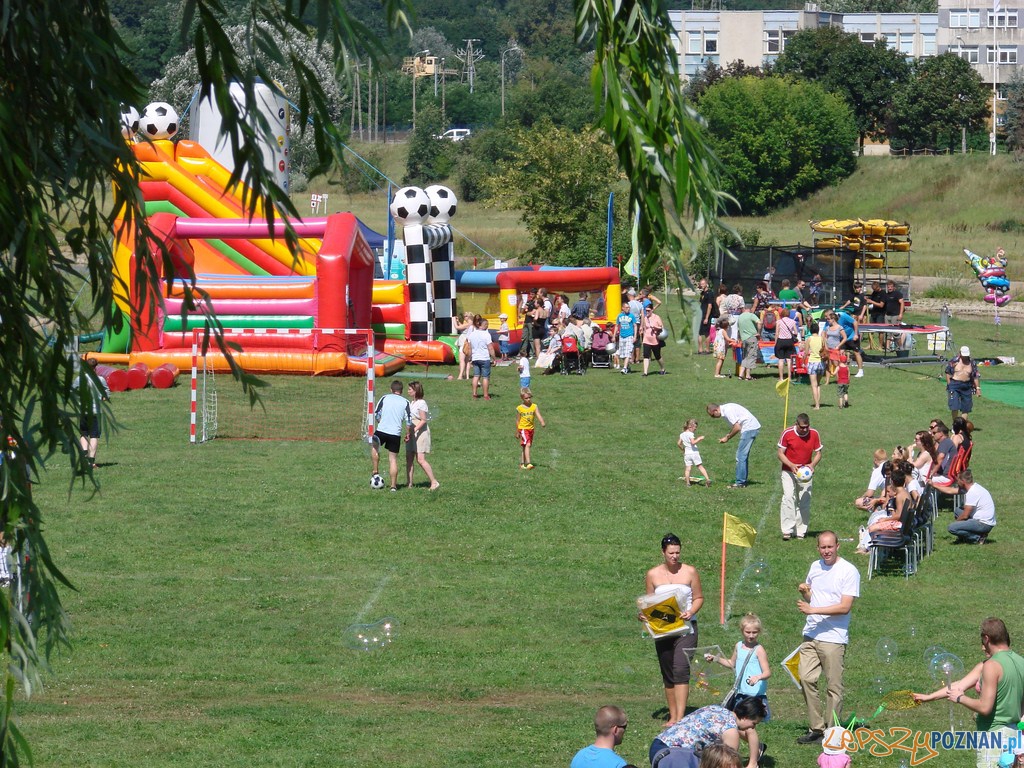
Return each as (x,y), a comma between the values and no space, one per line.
(977,516)
(827,594)
(743,424)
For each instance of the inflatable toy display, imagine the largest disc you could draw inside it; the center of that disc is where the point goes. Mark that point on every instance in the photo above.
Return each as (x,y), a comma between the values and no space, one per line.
(991,273)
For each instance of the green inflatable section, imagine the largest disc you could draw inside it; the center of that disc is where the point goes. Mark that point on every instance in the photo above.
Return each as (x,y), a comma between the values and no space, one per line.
(174,324)
(116,341)
(389,330)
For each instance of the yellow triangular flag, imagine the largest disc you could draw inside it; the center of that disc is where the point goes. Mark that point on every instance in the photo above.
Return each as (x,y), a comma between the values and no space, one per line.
(782,387)
(792,665)
(738,533)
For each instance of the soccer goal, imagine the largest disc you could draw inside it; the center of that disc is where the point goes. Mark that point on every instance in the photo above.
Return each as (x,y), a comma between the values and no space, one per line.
(321,388)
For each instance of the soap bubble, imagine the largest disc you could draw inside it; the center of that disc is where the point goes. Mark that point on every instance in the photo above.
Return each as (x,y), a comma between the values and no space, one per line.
(945,668)
(371,637)
(886,649)
(931,652)
(433,412)
(756,577)
(879,685)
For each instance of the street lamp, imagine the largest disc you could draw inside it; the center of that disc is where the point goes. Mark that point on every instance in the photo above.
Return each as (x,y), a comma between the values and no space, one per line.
(415,62)
(963,126)
(508,50)
(995,77)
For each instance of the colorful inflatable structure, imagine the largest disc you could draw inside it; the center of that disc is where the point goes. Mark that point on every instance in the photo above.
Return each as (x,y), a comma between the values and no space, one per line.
(991,273)
(280,306)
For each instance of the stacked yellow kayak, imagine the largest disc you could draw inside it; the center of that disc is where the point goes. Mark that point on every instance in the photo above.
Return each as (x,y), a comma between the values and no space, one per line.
(863,235)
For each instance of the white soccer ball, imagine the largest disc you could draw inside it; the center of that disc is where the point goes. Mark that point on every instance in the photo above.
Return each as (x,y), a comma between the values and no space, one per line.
(129,121)
(410,206)
(442,204)
(159,120)
(376,482)
(804,473)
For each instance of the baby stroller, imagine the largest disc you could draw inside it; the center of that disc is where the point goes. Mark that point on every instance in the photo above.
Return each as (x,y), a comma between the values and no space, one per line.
(600,357)
(572,361)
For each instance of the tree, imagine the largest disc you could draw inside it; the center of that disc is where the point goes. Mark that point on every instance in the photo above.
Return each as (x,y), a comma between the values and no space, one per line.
(559,179)
(944,95)
(866,76)
(65,80)
(778,140)
(430,158)
(697,86)
(1014,113)
(673,174)
(62,156)
(181,76)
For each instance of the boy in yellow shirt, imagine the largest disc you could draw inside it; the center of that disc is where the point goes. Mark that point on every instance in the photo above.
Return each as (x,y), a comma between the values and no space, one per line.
(526,415)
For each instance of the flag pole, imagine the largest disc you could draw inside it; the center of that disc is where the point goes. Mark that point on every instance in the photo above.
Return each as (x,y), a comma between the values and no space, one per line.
(785,408)
(721,589)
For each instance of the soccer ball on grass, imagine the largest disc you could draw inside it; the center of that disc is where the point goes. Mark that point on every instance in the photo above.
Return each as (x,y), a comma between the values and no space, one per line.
(376,482)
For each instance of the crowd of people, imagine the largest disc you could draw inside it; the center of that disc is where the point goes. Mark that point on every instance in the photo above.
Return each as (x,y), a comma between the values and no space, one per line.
(933,464)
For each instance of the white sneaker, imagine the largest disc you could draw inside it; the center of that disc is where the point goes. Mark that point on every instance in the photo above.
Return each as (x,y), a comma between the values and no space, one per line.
(859,374)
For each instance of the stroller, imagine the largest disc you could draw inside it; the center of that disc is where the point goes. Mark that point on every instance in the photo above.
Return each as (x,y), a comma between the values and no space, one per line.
(571,357)
(600,357)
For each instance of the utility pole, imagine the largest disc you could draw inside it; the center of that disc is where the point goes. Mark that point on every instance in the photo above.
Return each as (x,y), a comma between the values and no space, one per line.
(512,48)
(469,57)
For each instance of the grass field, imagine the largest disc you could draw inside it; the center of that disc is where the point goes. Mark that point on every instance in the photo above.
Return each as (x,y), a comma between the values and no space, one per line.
(215,583)
(951,202)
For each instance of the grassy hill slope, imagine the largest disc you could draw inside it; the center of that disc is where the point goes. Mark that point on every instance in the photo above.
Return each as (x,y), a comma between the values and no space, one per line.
(972,201)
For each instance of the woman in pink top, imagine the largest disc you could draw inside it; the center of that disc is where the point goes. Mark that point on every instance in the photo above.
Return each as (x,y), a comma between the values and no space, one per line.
(652,328)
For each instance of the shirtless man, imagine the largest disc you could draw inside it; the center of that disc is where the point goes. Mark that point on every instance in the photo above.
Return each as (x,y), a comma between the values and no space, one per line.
(963,382)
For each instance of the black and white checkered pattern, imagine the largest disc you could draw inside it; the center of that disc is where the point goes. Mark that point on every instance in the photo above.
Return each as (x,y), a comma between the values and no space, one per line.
(418,277)
(442,260)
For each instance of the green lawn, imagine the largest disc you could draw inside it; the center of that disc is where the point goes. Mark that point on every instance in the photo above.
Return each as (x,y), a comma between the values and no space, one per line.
(215,583)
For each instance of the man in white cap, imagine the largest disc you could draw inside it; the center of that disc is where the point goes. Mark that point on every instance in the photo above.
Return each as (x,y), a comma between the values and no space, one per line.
(963,382)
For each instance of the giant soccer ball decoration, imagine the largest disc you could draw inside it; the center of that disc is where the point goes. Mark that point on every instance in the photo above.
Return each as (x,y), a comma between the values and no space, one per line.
(159,121)
(442,204)
(376,482)
(129,121)
(410,206)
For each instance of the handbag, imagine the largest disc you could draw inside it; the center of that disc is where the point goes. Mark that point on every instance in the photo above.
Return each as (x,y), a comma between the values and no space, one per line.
(730,698)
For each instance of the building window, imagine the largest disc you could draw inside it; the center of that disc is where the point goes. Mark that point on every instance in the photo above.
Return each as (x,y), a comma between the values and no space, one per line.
(1000,120)
(1000,94)
(928,44)
(693,42)
(867,37)
(970,55)
(1002,55)
(1002,19)
(964,19)
(773,41)
(906,44)
(711,42)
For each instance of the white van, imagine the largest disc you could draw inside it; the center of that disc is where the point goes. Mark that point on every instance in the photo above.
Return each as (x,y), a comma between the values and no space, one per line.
(456,134)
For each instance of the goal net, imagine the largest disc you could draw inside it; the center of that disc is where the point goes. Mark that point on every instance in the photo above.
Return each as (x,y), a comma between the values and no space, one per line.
(321,388)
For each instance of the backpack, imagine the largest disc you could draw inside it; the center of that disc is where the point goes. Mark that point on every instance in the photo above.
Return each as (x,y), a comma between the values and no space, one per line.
(768,322)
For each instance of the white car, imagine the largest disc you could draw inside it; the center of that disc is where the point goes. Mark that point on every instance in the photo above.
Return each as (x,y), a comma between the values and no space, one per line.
(456,134)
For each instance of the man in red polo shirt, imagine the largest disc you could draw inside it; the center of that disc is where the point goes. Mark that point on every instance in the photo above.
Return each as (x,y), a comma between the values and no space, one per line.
(799,446)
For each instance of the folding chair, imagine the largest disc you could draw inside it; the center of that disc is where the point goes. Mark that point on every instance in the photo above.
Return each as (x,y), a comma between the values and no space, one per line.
(882,544)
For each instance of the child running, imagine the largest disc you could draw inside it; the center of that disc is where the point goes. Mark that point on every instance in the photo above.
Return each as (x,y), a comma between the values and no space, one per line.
(751,665)
(691,456)
(526,414)
(843,382)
